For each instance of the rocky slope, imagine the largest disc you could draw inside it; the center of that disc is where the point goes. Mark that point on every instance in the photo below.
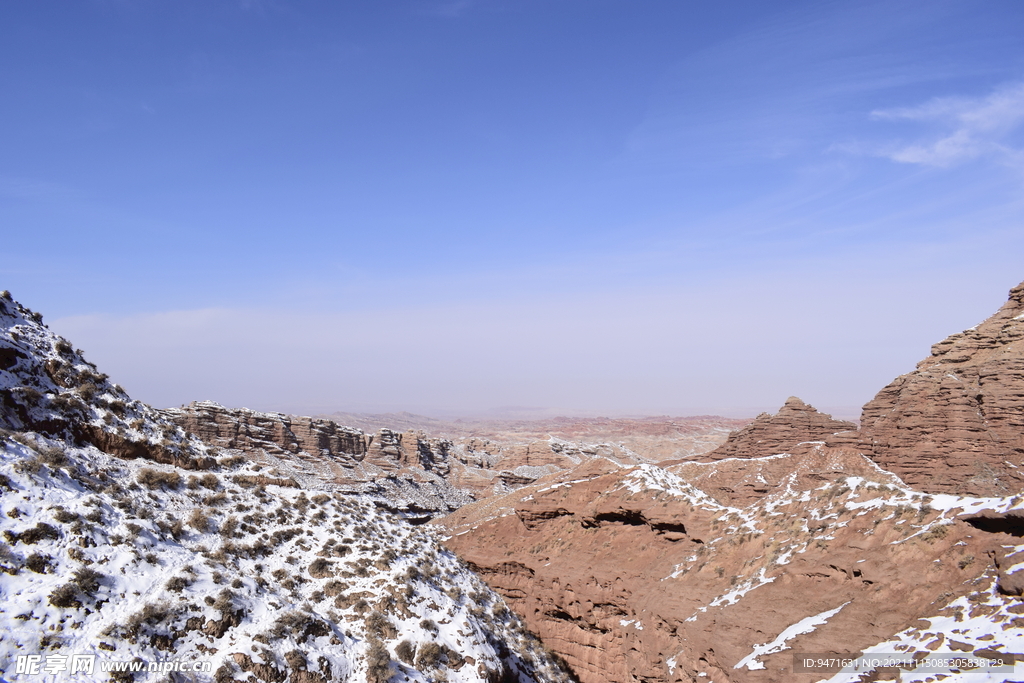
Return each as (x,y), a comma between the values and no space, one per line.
(657,437)
(174,551)
(409,470)
(48,387)
(787,538)
(434,475)
(794,429)
(956,423)
(637,574)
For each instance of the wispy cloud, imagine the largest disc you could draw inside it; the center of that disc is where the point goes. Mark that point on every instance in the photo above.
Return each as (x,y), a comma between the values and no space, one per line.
(969,128)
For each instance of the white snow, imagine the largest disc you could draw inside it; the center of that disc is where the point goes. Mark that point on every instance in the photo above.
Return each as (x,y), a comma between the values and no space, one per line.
(806,625)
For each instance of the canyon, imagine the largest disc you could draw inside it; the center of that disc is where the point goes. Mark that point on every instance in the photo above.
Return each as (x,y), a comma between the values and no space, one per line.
(663,549)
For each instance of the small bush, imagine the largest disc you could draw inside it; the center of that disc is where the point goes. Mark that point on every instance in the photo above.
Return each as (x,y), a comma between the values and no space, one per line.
(39,532)
(378,663)
(429,655)
(63,516)
(88,580)
(54,457)
(225,601)
(155,479)
(28,466)
(216,499)
(380,626)
(39,563)
(177,583)
(406,651)
(88,391)
(227,529)
(231,461)
(321,569)
(65,596)
(199,521)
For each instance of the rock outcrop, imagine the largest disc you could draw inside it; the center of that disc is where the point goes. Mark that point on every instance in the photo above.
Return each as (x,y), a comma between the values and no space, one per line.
(956,423)
(244,429)
(473,460)
(409,469)
(792,430)
(638,575)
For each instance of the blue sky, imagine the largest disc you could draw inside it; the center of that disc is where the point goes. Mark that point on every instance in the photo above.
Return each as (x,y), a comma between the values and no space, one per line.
(576,206)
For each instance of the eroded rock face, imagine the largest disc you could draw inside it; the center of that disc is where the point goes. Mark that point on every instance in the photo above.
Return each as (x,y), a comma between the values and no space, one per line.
(637,574)
(437,474)
(956,423)
(791,430)
(408,468)
(244,429)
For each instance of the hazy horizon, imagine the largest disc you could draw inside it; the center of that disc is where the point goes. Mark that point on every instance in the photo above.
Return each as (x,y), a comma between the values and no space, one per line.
(593,208)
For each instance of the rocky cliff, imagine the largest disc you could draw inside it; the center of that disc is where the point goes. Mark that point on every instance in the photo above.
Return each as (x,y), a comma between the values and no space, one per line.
(409,469)
(640,574)
(437,474)
(956,423)
(786,538)
(793,429)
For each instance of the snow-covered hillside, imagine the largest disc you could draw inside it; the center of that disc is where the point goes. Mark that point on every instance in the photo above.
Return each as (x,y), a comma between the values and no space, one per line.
(218,570)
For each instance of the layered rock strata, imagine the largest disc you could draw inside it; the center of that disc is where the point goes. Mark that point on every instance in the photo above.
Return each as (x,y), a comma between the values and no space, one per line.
(793,429)
(637,574)
(956,423)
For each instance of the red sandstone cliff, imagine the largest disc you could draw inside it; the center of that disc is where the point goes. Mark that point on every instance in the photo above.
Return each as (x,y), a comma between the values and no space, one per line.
(956,423)
(791,430)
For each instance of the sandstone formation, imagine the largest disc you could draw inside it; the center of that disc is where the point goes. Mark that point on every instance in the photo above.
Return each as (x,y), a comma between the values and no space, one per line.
(409,468)
(956,423)
(473,460)
(791,430)
(652,438)
(637,574)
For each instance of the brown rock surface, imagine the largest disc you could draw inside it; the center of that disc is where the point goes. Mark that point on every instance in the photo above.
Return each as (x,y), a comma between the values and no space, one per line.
(474,459)
(956,423)
(410,468)
(635,574)
(791,430)
(244,429)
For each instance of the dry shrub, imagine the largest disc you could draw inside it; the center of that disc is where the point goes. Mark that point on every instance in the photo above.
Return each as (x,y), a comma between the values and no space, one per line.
(378,663)
(65,596)
(429,656)
(41,531)
(88,580)
(321,569)
(155,479)
(199,521)
(406,651)
(380,626)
